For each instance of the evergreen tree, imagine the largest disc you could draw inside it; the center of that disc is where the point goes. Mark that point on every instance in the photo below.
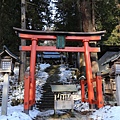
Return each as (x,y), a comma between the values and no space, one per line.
(9,18)
(77,15)
(66,15)
(38,14)
(114,38)
(107,14)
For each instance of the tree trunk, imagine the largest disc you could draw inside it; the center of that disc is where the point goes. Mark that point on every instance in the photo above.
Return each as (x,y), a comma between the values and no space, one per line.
(88,18)
(23,42)
(1,18)
(86,15)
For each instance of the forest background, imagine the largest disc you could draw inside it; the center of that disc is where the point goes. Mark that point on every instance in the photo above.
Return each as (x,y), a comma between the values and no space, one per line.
(62,15)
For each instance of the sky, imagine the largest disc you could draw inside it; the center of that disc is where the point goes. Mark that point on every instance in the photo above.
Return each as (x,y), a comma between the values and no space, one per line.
(16,112)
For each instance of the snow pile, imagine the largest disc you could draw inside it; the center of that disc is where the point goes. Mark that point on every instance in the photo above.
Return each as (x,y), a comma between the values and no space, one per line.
(65,74)
(40,81)
(81,106)
(16,113)
(44,66)
(107,113)
(41,78)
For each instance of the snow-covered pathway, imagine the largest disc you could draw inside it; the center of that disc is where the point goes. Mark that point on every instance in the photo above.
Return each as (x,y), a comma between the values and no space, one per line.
(16,112)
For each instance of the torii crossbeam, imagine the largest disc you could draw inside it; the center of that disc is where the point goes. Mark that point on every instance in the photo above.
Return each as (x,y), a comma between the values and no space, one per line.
(85,37)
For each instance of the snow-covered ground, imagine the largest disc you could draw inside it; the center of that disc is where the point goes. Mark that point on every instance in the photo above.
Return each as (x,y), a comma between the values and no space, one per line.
(16,112)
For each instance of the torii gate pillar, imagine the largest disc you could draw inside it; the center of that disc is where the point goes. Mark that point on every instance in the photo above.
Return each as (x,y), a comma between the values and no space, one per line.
(32,71)
(88,71)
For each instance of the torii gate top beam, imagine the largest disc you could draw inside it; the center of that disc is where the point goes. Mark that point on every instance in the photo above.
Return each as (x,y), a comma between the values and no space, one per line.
(51,35)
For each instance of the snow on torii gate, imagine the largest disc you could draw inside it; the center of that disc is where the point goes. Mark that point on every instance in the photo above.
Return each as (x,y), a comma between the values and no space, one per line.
(85,37)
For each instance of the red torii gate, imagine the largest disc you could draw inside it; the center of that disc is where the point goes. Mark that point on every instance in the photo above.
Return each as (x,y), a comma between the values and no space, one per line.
(85,37)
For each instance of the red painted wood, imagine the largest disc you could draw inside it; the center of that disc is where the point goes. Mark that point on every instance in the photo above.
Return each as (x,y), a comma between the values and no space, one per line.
(79,38)
(66,49)
(52,37)
(35,36)
(26,92)
(88,72)
(38,37)
(32,71)
(100,102)
(82,90)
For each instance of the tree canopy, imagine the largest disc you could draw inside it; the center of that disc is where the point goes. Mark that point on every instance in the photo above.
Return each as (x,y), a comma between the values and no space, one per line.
(9,17)
(71,15)
(101,14)
(38,15)
(107,16)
